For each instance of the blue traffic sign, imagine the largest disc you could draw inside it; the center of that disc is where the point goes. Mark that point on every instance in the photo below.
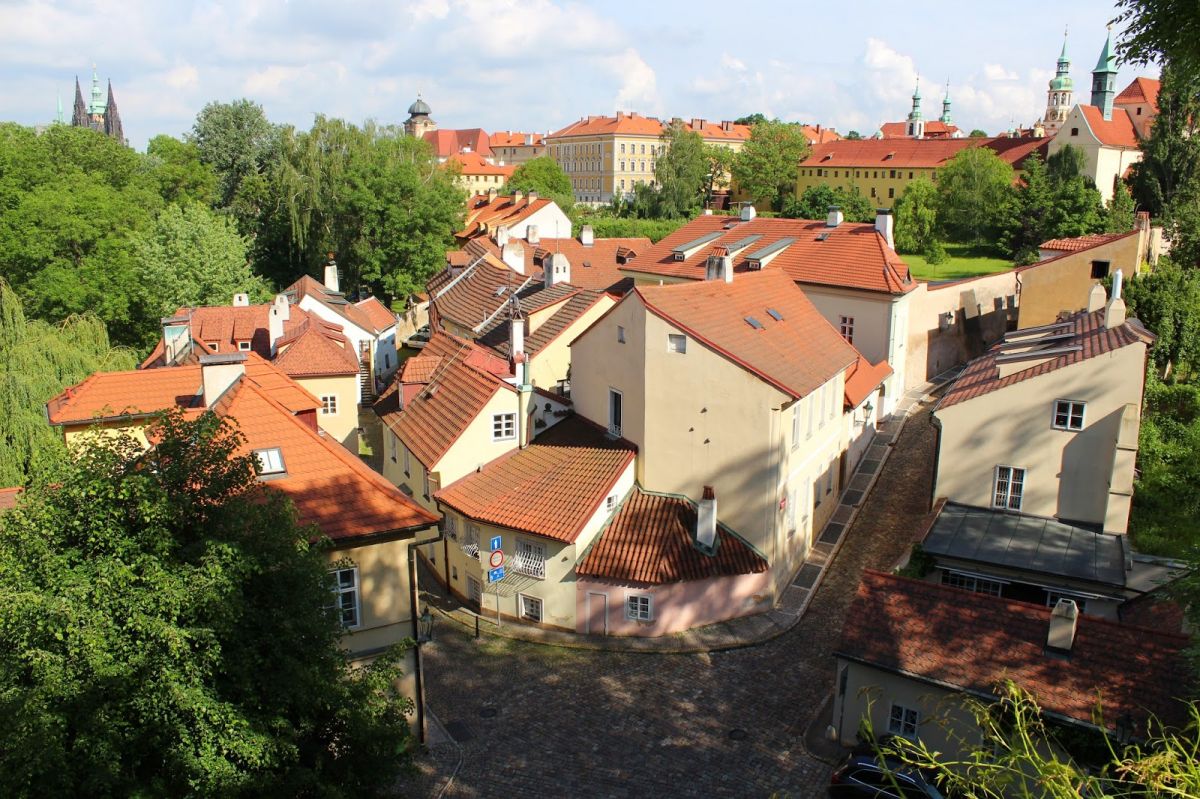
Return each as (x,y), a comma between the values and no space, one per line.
(495,543)
(496,575)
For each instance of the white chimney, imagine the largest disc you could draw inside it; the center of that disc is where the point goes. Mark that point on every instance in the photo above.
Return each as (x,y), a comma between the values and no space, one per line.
(518,196)
(275,319)
(241,300)
(531,234)
(884,224)
(1064,620)
(513,254)
(533,195)
(586,236)
(1114,313)
(719,267)
(748,213)
(835,216)
(528,139)
(219,372)
(177,339)
(492,193)
(331,274)
(557,270)
(706,519)
(281,302)
(1096,298)
(466,149)
(501,236)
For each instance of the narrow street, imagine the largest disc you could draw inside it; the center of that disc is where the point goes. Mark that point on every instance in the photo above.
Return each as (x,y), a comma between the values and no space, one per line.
(539,721)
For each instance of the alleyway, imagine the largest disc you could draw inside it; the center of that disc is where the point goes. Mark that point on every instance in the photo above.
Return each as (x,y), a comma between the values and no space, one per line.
(539,721)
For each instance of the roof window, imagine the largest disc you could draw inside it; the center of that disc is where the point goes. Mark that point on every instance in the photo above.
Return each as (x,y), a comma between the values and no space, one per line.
(776,315)
(270,462)
(754,323)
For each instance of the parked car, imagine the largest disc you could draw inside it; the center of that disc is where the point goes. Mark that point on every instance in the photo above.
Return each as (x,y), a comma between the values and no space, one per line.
(419,339)
(867,775)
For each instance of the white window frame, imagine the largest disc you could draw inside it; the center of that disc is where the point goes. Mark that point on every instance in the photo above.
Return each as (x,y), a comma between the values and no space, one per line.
(639,607)
(270,461)
(790,515)
(610,503)
(846,328)
(903,721)
(339,591)
(969,582)
(1070,411)
(812,405)
(1004,479)
(526,603)
(504,426)
(796,426)
(243,346)
(529,558)
(677,343)
(329,404)
(616,428)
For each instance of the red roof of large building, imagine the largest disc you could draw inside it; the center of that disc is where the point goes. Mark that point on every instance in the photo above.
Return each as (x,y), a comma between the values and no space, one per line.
(934,129)
(1089,338)
(446,142)
(511,138)
(650,540)
(473,163)
(851,255)
(1141,90)
(906,153)
(815,134)
(550,488)
(971,642)
(762,322)
(634,124)
(1115,132)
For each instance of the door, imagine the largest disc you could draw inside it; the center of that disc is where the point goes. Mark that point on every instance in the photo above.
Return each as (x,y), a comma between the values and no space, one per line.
(614,411)
(475,592)
(597,603)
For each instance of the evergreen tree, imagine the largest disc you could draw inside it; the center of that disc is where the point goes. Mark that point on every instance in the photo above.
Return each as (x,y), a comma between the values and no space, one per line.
(1120,210)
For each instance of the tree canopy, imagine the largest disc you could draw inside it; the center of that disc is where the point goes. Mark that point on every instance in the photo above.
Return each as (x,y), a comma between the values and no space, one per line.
(167,633)
(765,168)
(547,178)
(816,200)
(680,172)
(973,191)
(236,140)
(916,222)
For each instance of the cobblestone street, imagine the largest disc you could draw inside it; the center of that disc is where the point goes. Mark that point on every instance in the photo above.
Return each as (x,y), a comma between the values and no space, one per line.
(541,721)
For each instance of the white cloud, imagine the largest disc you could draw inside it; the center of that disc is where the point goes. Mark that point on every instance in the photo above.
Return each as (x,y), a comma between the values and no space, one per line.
(997,72)
(891,75)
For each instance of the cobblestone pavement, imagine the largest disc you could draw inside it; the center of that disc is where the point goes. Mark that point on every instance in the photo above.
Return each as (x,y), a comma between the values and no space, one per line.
(541,721)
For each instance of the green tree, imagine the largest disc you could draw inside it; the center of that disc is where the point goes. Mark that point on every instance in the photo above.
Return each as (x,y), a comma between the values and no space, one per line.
(546,177)
(1166,180)
(236,140)
(853,135)
(1167,301)
(166,634)
(816,201)
(750,119)
(37,361)
(977,133)
(1160,31)
(718,163)
(766,167)
(1119,212)
(916,217)
(974,191)
(1029,224)
(181,175)
(680,172)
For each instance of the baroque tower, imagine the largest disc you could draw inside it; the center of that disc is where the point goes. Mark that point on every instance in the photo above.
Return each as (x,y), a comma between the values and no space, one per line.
(945,118)
(916,125)
(1058,96)
(419,122)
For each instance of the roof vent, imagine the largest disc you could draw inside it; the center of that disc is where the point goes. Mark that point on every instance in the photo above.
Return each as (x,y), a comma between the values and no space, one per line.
(823,236)
(754,323)
(748,213)
(1064,620)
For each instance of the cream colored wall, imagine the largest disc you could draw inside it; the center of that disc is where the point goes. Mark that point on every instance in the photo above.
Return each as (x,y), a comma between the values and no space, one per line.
(480,184)
(384,594)
(1101,163)
(475,446)
(877,185)
(1065,283)
(343,425)
(74,435)
(1067,474)
(553,362)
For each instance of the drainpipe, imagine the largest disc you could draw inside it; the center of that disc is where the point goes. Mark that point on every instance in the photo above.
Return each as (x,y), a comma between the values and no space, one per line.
(416,631)
(937,456)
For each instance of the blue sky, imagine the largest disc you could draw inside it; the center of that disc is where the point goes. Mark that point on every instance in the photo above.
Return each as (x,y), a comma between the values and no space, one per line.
(540,64)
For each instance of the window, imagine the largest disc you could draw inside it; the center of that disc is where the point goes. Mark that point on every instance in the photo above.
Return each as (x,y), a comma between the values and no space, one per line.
(328,404)
(475,591)
(872,191)
(530,559)
(812,404)
(790,516)
(610,503)
(893,174)
(796,426)
(450,525)
(504,426)
(910,175)
(1074,131)
(891,193)
(615,402)
(393,444)
(622,149)
(644,146)
(344,584)
(903,721)
(639,607)
(406,463)
(1068,414)
(622,166)
(270,461)
(214,345)
(847,328)
(1010,482)
(243,345)
(969,582)
(425,483)
(387,361)
(620,334)
(1099,270)
(470,540)
(531,608)
(824,405)
(676,343)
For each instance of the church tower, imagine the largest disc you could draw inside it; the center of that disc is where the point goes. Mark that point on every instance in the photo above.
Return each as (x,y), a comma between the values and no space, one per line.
(1104,78)
(916,125)
(419,122)
(945,118)
(1058,97)
(100,114)
(112,118)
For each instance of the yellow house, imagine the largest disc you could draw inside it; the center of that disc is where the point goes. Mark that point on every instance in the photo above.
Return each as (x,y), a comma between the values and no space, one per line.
(372,573)
(478,174)
(514,147)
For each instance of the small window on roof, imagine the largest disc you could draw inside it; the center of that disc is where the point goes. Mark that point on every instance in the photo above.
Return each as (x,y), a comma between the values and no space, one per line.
(270,461)
(776,315)
(243,345)
(754,323)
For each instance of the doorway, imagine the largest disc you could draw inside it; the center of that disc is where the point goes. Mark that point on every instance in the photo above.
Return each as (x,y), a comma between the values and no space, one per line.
(596,602)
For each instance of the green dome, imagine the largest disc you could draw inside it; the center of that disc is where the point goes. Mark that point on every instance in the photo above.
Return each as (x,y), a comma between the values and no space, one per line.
(1062,83)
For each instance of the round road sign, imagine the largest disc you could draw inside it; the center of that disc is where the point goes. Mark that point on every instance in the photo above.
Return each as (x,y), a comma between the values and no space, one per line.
(496,559)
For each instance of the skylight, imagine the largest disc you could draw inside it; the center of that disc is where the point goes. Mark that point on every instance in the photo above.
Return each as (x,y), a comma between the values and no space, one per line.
(270,461)
(754,323)
(500,290)
(776,315)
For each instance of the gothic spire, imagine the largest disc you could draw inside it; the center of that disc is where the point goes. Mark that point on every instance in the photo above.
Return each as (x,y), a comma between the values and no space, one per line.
(79,117)
(112,118)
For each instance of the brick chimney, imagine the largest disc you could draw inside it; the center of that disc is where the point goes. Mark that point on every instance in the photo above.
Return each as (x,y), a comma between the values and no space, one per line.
(1064,620)
(331,274)
(1114,312)
(219,372)
(706,519)
(884,223)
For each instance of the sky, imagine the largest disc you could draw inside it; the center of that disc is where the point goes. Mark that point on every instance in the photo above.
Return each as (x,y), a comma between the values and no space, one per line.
(538,65)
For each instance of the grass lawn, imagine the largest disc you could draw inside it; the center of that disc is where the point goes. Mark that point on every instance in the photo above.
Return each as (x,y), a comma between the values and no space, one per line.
(965,261)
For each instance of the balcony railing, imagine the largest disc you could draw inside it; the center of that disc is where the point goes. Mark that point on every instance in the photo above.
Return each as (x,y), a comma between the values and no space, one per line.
(472,549)
(529,565)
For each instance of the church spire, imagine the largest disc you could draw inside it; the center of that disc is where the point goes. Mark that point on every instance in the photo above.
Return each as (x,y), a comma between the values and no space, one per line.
(945,117)
(916,125)
(112,118)
(1104,78)
(96,107)
(58,117)
(79,116)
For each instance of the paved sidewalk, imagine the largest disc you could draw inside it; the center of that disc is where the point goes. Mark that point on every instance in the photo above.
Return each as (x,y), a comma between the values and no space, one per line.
(735,633)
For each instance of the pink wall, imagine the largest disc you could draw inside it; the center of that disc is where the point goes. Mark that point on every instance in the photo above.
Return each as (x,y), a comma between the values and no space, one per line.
(676,606)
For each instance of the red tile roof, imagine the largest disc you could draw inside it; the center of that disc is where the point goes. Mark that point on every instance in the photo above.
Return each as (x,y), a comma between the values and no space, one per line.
(1117,132)
(1082,242)
(226,325)
(335,301)
(8,497)
(631,124)
(475,297)
(457,392)
(420,369)
(850,255)
(577,303)
(972,642)
(446,142)
(551,488)
(379,314)
(1141,90)
(485,215)
(509,138)
(592,267)
(862,378)
(650,540)
(908,153)
(1090,338)
(934,129)
(797,353)
(310,354)
(819,135)
(475,164)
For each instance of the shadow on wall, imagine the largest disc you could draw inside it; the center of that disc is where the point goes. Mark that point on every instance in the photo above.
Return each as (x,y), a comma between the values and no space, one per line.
(967,332)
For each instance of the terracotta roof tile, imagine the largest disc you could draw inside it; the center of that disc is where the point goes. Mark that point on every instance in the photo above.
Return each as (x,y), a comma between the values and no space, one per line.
(1091,338)
(377,312)
(8,497)
(862,378)
(1082,242)
(577,303)
(1115,132)
(335,301)
(476,296)
(820,135)
(446,142)
(850,255)
(1140,90)
(503,210)
(906,153)
(511,138)
(312,354)
(226,325)
(473,163)
(934,129)
(420,368)
(624,124)
(797,353)
(972,642)
(551,488)
(650,540)
(596,267)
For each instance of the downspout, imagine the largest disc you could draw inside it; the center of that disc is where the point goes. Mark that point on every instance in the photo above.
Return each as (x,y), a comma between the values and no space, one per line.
(937,456)
(416,631)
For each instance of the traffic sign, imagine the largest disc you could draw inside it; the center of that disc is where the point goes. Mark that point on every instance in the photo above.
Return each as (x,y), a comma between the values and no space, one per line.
(495,543)
(496,575)
(496,559)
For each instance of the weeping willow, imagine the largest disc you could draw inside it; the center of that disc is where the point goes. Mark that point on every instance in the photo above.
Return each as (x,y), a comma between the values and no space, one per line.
(37,361)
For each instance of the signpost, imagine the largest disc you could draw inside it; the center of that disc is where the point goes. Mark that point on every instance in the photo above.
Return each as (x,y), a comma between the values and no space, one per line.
(496,571)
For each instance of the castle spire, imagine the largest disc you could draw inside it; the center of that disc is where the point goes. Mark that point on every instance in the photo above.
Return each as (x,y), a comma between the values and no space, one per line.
(1104,78)
(96,107)
(79,116)
(58,117)
(112,118)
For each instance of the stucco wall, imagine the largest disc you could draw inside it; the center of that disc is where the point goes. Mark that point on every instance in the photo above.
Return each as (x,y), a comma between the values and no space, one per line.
(1064,283)
(1103,164)
(877,185)
(553,362)
(951,323)
(676,606)
(343,425)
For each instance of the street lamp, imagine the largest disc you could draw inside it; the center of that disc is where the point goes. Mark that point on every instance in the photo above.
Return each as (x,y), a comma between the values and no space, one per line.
(868,409)
(425,621)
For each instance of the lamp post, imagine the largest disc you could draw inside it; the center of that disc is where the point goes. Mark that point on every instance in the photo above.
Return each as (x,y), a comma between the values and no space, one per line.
(425,634)
(868,409)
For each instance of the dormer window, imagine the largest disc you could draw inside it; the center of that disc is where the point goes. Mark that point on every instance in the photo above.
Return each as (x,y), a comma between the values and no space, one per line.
(270,462)
(243,346)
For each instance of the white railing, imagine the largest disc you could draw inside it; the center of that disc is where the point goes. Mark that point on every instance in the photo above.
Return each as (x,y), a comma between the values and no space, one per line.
(530,565)
(472,549)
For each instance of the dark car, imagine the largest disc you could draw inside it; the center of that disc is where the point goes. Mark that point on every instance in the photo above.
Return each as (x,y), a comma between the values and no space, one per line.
(867,775)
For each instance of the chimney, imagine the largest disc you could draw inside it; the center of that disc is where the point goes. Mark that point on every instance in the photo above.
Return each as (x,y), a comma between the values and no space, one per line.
(835,216)
(518,196)
(177,339)
(516,334)
(706,519)
(219,372)
(492,193)
(241,300)
(697,124)
(726,125)
(533,196)
(281,302)
(1096,298)
(528,139)
(557,270)
(466,149)
(331,274)
(513,254)
(748,213)
(719,265)
(531,234)
(275,319)
(884,224)
(501,236)
(586,236)
(1064,620)
(1114,313)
